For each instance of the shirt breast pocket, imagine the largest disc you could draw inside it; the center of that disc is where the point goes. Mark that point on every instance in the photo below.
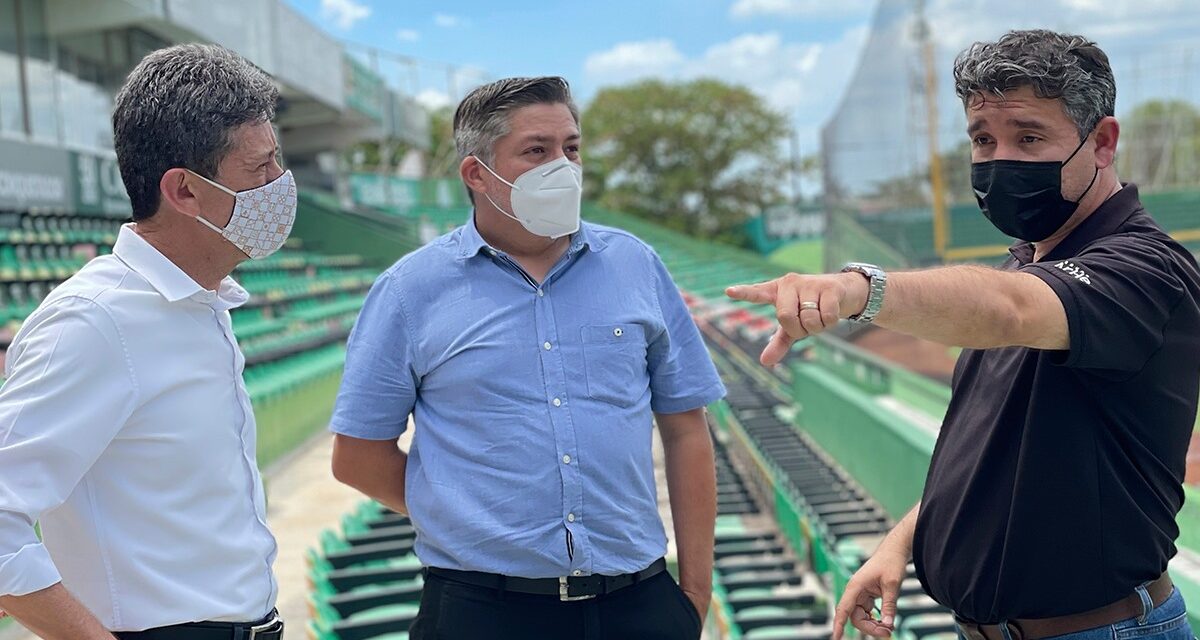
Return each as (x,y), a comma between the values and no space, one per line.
(615,363)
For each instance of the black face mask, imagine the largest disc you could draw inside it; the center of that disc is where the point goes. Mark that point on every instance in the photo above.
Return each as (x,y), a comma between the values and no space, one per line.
(1024,199)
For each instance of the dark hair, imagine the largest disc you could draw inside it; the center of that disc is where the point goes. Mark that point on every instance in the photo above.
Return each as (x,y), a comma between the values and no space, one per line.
(1066,67)
(177,109)
(482,116)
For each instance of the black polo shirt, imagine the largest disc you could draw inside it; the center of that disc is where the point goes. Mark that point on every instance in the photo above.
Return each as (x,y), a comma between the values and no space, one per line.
(1057,475)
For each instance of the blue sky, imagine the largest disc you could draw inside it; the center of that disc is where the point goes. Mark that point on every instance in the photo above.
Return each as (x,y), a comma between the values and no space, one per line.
(770,45)
(799,55)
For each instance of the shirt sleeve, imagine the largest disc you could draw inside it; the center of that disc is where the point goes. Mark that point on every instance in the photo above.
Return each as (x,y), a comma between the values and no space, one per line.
(1118,300)
(379,386)
(70,390)
(682,374)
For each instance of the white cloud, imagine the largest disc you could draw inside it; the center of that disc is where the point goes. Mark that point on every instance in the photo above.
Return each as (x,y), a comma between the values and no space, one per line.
(447,21)
(798,8)
(433,99)
(800,79)
(344,13)
(408,35)
(632,60)
(1084,5)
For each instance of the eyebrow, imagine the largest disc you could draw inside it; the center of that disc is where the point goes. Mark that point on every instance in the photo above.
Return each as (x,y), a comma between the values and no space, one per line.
(544,139)
(1035,125)
(257,160)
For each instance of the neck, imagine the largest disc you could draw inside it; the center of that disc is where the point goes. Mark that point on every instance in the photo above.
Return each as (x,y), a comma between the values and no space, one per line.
(199,260)
(1106,186)
(507,235)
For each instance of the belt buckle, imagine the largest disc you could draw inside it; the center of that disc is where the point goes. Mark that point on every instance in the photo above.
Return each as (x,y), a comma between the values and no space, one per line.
(272,625)
(564,592)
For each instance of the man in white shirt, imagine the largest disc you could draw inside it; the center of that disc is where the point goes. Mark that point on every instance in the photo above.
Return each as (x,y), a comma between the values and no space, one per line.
(125,426)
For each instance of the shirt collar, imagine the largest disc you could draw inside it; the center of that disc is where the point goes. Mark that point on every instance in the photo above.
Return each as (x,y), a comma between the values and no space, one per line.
(1106,219)
(168,279)
(470,242)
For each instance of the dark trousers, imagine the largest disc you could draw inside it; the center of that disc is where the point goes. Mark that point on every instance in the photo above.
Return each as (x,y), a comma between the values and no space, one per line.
(654,609)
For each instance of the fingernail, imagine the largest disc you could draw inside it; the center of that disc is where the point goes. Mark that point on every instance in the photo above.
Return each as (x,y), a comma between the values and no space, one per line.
(888,620)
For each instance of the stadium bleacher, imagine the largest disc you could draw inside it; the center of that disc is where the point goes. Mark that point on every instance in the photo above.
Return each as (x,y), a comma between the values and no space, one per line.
(798,513)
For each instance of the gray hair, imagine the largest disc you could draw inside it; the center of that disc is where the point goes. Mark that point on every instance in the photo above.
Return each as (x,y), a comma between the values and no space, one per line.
(1061,66)
(482,117)
(178,108)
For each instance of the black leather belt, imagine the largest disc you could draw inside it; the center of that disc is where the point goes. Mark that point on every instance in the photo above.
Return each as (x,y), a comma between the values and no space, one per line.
(269,628)
(567,588)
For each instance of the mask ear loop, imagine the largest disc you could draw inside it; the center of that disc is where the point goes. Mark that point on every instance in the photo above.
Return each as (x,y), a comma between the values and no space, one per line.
(489,198)
(200,218)
(1095,173)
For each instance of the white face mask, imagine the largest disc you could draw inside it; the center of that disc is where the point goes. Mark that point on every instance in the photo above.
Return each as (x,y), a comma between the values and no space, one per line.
(545,199)
(262,217)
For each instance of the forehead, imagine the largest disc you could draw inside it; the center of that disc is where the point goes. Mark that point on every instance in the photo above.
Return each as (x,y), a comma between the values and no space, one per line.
(253,138)
(553,119)
(1019,104)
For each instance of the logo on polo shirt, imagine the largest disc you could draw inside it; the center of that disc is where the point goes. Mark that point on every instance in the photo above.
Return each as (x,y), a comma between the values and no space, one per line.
(1074,271)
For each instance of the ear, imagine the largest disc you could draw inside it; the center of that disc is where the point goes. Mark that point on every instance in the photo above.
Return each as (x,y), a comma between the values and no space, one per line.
(471,171)
(1107,133)
(175,190)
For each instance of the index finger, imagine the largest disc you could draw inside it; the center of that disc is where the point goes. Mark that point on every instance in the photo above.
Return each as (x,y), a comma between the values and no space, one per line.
(844,607)
(760,293)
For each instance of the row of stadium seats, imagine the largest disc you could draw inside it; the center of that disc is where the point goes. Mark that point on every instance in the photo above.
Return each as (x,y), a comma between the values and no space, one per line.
(292,331)
(840,523)
(37,252)
(762,588)
(365,582)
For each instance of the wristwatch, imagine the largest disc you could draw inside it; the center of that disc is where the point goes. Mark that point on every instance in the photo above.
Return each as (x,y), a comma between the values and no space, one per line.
(878,283)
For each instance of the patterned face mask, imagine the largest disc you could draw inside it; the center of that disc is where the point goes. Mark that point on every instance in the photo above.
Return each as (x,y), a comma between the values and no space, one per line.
(262,217)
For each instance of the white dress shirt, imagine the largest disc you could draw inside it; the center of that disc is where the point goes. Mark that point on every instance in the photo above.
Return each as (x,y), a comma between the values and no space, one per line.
(126,430)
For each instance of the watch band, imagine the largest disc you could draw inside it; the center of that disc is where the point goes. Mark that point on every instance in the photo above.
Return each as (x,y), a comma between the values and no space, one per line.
(877,287)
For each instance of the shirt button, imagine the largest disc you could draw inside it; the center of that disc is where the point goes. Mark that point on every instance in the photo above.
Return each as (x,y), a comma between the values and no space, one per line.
(546,346)
(570,517)
(492,251)
(557,402)
(618,332)
(541,293)
(566,459)
(577,572)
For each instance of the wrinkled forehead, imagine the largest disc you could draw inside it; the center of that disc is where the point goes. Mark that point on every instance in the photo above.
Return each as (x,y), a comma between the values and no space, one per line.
(1018,108)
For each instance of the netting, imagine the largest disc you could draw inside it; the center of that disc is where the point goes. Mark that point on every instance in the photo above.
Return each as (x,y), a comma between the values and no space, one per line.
(900,105)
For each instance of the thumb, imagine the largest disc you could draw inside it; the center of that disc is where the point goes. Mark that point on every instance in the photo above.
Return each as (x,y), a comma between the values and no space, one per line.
(891,592)
(761,293)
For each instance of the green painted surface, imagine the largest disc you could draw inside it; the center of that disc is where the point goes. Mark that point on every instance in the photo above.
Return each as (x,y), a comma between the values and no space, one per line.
(805,256)
(287,420)
(886,454)
(323,226)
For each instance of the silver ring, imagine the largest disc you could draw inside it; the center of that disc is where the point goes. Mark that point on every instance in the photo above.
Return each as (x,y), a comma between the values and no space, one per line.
(809,305)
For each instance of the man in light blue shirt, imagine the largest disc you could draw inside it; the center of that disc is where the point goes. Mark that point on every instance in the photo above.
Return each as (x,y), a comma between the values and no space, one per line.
(535,353)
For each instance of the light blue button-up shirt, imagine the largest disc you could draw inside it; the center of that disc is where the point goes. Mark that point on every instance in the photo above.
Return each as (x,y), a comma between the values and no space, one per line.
(532,403)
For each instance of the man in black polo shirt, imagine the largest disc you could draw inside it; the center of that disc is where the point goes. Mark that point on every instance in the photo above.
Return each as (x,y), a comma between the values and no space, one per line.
(1049,508)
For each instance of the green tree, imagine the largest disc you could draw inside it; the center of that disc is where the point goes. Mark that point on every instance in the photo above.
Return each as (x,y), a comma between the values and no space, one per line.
(700,156)
(1160,145)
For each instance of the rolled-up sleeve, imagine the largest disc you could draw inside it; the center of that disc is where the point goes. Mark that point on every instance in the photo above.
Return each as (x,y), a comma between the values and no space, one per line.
(379,387)
(682,374)
(70,390)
